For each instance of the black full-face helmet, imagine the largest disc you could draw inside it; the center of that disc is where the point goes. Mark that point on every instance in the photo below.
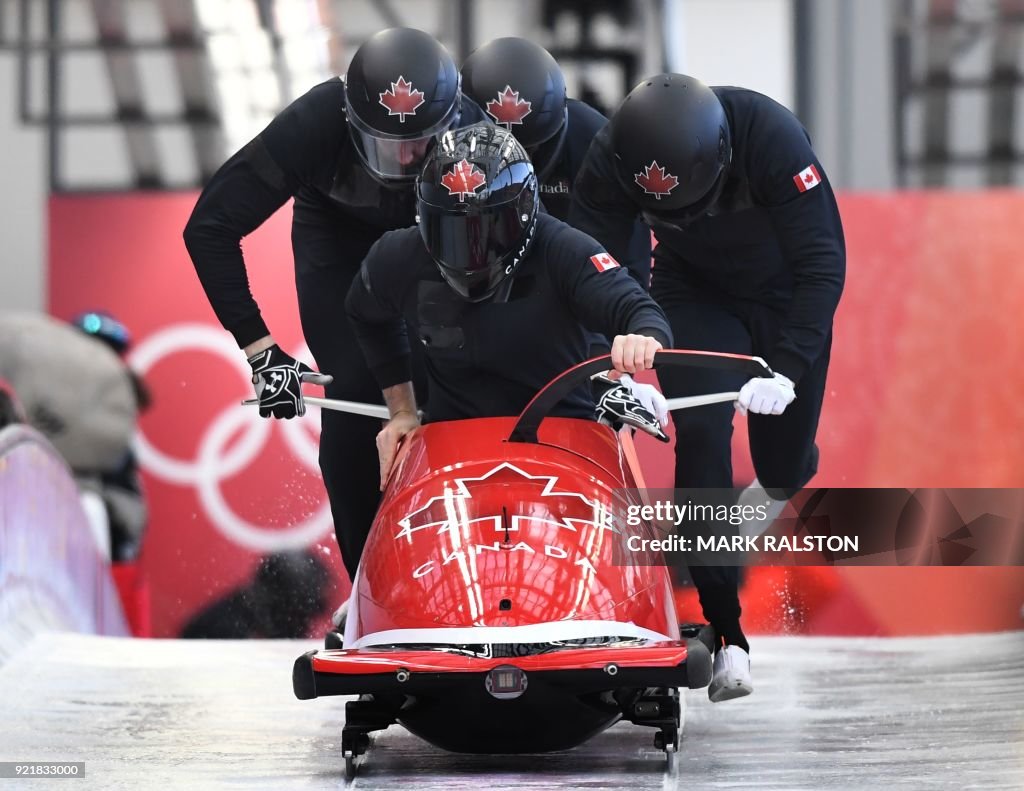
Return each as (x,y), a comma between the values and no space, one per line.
(521,87)
(672,148)
(477,208)
(402,91)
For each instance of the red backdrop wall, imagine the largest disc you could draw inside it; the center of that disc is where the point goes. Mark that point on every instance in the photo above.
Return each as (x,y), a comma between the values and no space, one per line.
(924,390)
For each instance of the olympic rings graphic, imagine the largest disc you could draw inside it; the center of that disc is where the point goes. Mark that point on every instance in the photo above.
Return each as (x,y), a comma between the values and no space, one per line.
(214,462)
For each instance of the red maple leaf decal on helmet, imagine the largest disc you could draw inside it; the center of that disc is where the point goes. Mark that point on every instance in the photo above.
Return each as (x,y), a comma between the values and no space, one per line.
(402,99)
(655,180)
(463,179)
(508,108)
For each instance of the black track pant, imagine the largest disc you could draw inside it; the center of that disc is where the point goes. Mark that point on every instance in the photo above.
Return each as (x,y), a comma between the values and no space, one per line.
(328,252)
(781,446)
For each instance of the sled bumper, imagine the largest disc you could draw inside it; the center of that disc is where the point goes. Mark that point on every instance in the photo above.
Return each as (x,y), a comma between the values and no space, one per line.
(677,663)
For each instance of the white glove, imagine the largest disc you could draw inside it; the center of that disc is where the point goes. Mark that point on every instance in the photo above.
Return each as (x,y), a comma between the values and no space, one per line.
(648,395)
(764,396)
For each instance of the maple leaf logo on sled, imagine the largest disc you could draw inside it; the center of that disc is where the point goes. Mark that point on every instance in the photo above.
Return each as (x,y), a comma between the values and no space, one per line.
(654,180)
(508,108)
(401,99)
(566,510)
(463,179)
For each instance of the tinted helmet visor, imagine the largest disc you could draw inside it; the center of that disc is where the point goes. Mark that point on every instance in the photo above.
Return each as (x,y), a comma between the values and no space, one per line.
(477,249)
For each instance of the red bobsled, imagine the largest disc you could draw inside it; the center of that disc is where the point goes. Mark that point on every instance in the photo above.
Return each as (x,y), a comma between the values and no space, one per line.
(490,612)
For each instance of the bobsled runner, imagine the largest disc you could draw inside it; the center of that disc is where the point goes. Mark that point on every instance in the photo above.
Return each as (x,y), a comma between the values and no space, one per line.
(490,613)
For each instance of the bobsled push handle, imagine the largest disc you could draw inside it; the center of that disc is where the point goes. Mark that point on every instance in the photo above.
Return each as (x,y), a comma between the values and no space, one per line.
(558,388)
(336,405)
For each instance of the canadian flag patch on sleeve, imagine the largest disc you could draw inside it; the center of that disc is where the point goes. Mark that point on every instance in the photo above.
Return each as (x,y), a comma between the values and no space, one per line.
(807,179)
(603,262)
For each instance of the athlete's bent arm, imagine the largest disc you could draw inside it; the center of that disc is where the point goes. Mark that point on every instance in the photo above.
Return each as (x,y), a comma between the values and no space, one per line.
(252,185)
(604,298)
(380,328)
(810,235)
(373,305)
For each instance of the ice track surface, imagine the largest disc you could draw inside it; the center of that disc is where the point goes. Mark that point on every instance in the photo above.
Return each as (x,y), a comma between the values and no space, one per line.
(922,713)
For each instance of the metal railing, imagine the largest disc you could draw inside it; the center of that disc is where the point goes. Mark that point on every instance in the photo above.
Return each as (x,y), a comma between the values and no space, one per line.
(952,55)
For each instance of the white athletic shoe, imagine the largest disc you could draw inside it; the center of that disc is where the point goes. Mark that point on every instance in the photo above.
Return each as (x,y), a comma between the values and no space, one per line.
(731,678)
(755,495)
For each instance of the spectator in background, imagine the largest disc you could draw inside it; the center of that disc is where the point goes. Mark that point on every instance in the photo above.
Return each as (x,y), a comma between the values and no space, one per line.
(76,393)
(120,487)
(104,327)
(10,408)
(285,596)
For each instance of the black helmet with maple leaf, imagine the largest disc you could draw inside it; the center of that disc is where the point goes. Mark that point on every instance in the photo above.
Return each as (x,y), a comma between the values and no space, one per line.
(671,141)
(476,203)
(402,91)
(521,87)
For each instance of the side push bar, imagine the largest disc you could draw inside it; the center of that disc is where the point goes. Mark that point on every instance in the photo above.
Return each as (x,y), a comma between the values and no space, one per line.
(558,388)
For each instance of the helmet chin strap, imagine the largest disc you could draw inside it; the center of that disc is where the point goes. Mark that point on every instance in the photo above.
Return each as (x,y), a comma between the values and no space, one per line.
(721,188)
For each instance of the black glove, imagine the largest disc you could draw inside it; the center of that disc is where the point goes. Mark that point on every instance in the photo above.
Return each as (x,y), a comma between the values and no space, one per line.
(617,405)
(278,380)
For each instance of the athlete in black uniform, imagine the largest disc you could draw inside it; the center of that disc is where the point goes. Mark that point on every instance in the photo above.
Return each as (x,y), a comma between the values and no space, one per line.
(348,151)
(521,87)
(750,259)
(500,296)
